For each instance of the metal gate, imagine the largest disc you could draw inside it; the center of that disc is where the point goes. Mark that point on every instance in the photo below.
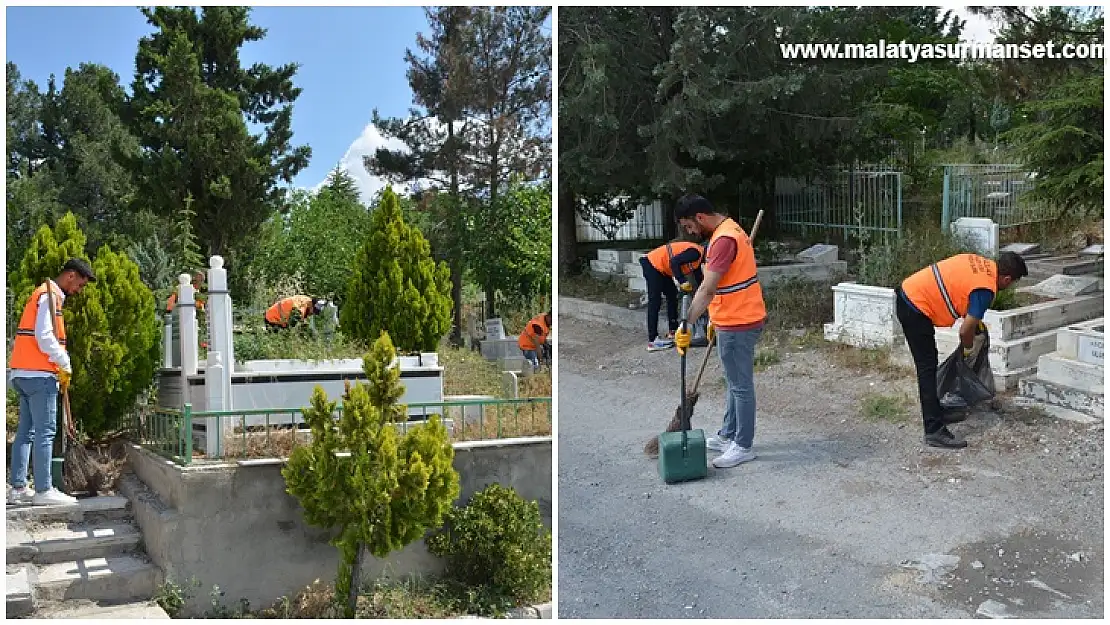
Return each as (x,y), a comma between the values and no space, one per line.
(997,192)
(860,199)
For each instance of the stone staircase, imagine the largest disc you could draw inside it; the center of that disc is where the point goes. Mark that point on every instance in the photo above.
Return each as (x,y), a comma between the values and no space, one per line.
(1069,381)
(79,561)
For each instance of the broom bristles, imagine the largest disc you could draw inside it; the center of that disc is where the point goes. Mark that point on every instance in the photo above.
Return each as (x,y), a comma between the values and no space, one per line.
(651,449)
(81,472)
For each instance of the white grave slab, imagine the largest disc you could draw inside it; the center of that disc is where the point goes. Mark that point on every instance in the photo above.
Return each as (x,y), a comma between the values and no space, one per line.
(1092,250)
(609,256)
(1060,286)
(1022,249)
(980,232)
(821,254)
(1091,350)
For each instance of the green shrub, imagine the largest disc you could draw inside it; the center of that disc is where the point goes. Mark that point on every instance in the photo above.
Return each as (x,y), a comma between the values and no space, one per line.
(395,286)
(112,326)
(888,261)
(392,487)
(497,544)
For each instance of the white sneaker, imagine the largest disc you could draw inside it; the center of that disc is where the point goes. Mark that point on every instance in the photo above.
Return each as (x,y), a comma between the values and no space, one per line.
(20,496)
(733,456)
(659,344)
(54,497)
(717,444)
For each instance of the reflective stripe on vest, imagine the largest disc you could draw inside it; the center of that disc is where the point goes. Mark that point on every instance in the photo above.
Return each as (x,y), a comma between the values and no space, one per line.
(738,299)
(660,257)
(26,353)
(942,291)
(524,342)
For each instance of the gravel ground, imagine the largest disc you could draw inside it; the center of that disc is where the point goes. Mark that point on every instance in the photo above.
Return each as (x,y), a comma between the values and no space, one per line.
(840,515)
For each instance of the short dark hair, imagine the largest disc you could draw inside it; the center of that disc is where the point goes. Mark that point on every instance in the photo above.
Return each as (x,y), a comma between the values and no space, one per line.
(1013,265)
(81,267)
(692,204)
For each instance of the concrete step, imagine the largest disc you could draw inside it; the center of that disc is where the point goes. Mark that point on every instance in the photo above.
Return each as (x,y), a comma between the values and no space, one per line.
(88,609)
(19,600)
(1053,394)
(1082,376)
(86,509)
(113,579)
(58,543)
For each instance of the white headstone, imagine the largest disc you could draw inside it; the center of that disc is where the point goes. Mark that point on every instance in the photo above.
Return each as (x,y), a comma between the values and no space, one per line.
(610,256)
(1092,250)
(1022,249)
(495,329)
(820,254)
(1060,286)
(981,233)
(1090,350)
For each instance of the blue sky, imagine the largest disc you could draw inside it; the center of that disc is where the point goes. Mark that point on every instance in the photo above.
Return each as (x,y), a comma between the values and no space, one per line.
(352,61)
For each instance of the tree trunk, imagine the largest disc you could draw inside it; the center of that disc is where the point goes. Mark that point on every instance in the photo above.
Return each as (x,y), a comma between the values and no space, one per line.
(455,262)
(568,236)
(356,582)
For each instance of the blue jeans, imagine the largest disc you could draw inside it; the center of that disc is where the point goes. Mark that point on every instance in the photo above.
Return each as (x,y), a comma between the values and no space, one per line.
(737,352)
(531,356)
(38,421)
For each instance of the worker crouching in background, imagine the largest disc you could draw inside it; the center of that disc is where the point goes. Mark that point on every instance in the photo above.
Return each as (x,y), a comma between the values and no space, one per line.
(288,312)
(677,261)
(533,340)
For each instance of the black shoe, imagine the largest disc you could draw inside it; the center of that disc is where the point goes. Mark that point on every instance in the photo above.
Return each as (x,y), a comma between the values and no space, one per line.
(945,440)
(954,415)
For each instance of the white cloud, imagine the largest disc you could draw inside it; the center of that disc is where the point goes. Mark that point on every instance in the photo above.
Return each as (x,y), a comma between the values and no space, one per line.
(365,145)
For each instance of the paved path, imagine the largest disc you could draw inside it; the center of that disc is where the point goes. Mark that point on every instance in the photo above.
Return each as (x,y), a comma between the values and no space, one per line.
(838,517)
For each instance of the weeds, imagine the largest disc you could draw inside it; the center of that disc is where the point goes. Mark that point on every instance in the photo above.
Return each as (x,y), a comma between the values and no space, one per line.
(880,407)
(765,358)
(172,597)
(607,291)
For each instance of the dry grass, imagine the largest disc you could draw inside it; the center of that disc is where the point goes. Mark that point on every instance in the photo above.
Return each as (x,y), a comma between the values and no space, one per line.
(465,372)
(505,422)
(273,443)
(867,360)
(881,407)
(608,291)
(536,385)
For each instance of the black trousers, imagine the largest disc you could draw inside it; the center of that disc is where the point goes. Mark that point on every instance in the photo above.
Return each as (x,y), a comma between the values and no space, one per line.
(921,337)
(659,285)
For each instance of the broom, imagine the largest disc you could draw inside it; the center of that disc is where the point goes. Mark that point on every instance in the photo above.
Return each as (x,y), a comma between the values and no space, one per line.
(651,449)
(80,471)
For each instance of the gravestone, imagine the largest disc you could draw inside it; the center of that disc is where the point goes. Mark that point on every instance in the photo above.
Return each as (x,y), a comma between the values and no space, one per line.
(820,254)
(609,256)
(1092,250)
(495,330)
(1022,249)
(981,233)
(1091,350)
(1061,286)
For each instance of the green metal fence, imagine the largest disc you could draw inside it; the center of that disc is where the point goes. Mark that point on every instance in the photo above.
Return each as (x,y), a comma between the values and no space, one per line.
(274,432)
(998,192)
(866,198)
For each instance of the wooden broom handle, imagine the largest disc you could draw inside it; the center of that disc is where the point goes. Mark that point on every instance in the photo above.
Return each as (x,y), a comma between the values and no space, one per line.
(71,428)
(705,361)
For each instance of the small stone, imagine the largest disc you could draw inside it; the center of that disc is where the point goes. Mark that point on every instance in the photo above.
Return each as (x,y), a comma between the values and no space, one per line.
(976,565)
(1078,556)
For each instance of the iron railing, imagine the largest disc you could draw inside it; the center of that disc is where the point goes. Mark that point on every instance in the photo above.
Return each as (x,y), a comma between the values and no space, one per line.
(998,192)
(179,435)
(862,199)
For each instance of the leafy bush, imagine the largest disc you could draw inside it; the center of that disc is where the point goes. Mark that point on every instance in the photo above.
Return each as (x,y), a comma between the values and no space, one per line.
(887,262)
(498,543)
(111,326)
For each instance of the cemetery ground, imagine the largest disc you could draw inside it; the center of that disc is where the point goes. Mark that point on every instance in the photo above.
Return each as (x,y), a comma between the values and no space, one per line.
(845,513)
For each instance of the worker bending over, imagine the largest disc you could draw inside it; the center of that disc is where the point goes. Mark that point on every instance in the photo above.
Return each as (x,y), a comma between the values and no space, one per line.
(936,297)
(288,312)
(678,261)
(533,340)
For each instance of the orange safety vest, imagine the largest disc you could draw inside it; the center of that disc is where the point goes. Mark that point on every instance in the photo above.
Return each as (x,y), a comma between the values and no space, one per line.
(525,342)
(739,297)
(942,290)
(172,301)
(661,260)
(25,351)
(280,312)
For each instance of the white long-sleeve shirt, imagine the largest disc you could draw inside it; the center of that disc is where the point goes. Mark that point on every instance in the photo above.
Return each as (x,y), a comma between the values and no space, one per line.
(46,339)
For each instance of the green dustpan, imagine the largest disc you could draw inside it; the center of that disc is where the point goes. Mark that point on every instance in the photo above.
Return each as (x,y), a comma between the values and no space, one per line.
(682,455)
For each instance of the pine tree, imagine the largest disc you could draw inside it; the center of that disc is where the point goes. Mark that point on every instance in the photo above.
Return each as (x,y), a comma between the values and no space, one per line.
(396,286)
(390,490)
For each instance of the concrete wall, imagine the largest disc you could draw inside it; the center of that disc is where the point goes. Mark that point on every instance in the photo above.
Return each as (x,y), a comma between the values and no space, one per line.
(233,524)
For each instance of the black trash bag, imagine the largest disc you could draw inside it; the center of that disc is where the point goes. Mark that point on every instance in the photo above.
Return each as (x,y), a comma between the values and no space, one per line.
(961,384)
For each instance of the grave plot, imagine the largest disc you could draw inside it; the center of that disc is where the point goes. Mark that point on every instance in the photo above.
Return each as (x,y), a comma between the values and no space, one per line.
(1020,336)
(1069,380)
